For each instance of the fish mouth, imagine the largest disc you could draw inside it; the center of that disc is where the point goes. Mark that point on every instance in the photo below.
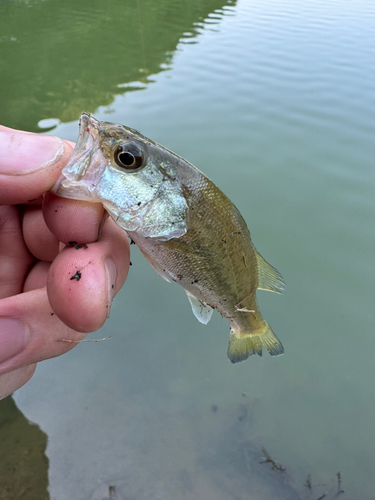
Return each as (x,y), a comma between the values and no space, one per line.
(86,164)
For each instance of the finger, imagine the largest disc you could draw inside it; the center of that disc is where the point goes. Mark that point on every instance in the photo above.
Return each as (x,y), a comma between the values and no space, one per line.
(30,164)
(37,276)
(41,243)
(82,282)
(72,220)
(15,259)
(10,382)
(30,331)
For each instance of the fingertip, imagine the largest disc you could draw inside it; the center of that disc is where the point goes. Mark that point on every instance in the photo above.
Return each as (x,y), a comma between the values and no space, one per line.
(114,244)
(30,164)
(72,220)
(83,279)
(77,289)
(41,243)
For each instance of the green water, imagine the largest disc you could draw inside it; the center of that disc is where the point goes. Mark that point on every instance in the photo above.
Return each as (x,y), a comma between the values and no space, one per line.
(275,102)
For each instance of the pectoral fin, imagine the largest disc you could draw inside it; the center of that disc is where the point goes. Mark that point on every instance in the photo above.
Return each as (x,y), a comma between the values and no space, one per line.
(201,311)
(269,278)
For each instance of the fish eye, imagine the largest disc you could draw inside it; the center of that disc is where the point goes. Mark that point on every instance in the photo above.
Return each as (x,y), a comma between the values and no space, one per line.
(128,157)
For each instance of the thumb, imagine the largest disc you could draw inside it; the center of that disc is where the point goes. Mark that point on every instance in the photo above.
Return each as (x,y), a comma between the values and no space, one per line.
(30,164)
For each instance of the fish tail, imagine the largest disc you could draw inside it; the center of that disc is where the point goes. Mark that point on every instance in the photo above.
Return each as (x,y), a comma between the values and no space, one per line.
(244,344)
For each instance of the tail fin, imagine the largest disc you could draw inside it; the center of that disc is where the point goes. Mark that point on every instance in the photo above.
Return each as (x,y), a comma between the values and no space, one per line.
(243,345)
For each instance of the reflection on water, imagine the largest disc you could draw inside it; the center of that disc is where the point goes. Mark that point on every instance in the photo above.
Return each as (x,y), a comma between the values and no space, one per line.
(23,463)
(275,102)
(59,58)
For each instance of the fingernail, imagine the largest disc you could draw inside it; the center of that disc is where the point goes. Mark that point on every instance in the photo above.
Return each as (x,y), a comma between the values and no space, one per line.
(12,338)
(22,153)
(111,273)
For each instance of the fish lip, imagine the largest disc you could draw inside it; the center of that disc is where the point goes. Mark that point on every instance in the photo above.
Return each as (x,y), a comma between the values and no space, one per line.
(84,166)
(87,144)
(87,125)
(83,122)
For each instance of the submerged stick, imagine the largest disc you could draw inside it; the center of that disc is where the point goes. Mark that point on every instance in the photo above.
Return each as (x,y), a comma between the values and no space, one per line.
(308,482)
(339,489)
(268,459)
(83,340)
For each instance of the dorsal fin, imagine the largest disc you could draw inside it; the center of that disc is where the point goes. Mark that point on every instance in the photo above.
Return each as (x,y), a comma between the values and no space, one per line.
(269,278)
(201,310)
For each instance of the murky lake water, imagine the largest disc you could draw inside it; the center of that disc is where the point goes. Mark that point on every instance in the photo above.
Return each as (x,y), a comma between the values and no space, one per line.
(275,102)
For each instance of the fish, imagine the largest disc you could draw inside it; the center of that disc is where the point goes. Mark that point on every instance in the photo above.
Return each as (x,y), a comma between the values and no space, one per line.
(185,226)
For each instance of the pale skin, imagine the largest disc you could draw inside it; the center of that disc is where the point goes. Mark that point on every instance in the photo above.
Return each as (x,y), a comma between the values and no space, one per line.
(39,302)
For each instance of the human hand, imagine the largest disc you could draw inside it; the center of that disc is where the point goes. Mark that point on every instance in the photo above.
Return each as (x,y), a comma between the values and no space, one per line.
(40,303)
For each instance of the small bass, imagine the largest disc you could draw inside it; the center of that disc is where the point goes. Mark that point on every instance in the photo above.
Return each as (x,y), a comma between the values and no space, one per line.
(187,229)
